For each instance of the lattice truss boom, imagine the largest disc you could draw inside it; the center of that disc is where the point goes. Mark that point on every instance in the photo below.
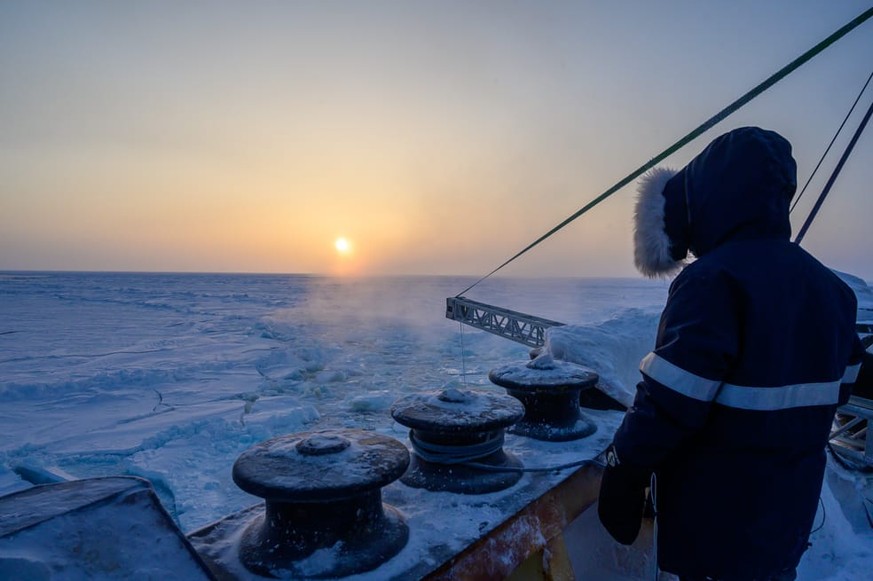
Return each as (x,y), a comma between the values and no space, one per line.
(850,438)
(519,327)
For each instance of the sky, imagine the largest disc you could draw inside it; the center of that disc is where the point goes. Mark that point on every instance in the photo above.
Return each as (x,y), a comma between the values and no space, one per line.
(432,137)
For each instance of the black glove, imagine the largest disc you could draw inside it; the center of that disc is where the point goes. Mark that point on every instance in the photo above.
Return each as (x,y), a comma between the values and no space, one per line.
(622,498)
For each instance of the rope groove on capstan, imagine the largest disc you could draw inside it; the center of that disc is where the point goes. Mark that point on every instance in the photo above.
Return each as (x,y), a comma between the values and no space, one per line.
(694,134)
(455,453)
(469,454)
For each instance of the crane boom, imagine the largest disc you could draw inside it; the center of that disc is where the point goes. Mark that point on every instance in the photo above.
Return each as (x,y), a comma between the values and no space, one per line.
(519,327)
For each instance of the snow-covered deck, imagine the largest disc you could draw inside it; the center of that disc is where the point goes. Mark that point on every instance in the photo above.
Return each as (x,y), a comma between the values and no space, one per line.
(457,536)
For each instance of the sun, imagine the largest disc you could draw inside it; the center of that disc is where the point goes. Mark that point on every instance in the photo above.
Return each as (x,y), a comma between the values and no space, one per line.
(343,246)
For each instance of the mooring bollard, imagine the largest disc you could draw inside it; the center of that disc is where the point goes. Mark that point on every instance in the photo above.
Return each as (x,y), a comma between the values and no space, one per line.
(322,492)
(457,440)
(549,390)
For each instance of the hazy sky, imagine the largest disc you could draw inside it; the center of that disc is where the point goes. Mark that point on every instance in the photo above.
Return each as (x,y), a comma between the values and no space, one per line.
(435,137)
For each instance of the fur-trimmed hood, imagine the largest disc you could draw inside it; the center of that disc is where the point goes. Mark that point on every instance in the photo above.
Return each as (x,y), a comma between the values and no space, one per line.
(739,187)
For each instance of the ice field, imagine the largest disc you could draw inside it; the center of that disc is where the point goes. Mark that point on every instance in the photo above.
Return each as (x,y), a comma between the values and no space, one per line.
(172,377)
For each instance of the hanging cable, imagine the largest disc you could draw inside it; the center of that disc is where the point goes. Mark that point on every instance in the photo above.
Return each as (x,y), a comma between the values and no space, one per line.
(463,356)
(867,510)
(824,193)
(653,487)
(824,517)
(828,148)
(576,464)
(718,117)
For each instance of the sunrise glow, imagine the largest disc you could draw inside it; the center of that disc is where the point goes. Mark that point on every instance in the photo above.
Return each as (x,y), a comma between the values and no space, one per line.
(393,138)
(343,246)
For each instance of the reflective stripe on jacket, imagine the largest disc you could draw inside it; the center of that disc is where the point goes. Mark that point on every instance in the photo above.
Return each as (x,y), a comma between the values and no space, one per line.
(756,348)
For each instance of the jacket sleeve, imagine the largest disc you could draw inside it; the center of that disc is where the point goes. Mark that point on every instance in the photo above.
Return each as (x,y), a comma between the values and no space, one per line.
(858,379)
(696,347)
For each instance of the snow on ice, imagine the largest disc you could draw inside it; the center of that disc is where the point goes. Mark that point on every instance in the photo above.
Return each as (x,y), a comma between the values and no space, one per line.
(172,377)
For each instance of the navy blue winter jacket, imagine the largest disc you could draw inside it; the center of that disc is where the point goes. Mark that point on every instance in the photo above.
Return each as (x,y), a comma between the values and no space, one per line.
(756,348)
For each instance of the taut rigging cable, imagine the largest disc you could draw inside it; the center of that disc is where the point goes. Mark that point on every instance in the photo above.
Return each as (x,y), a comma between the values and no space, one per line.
(833,139)
(824,193)
(718,117)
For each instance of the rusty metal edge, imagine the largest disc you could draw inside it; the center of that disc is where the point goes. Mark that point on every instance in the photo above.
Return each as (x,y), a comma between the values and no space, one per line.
(529,531)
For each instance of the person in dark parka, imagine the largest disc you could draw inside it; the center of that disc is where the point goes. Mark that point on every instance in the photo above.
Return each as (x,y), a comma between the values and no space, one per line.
(755,350)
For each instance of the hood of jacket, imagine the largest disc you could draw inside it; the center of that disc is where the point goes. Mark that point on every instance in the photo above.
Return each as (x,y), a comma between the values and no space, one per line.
(739,187)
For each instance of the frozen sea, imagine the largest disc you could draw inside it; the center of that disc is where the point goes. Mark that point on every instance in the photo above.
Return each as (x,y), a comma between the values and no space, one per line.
(172,376)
